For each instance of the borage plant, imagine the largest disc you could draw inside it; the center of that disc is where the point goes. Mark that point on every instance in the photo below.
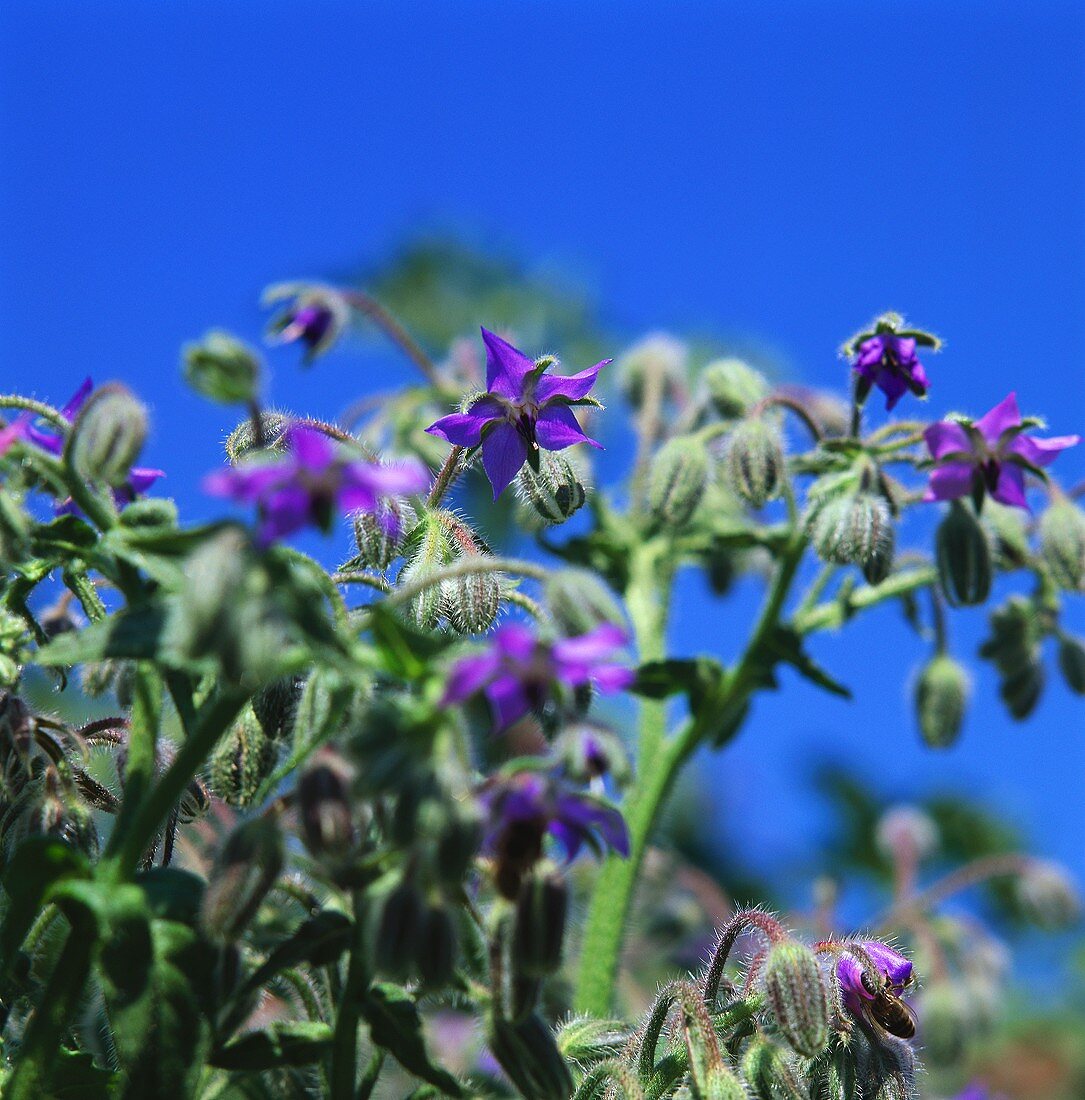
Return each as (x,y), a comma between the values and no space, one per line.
(294,824)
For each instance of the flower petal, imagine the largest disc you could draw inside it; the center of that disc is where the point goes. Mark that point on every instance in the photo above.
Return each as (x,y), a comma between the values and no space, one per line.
(18,429)
(312,449)
(950,481)
(465,429)
(508,700)
(573,386)
(587,649)
(557,428)
(892,964)
(515,641)
(468,675)
(1004,415)
(77,400)
(1010,487)
(506,367)
(1042,452)
(503,453)
(947,437)
(141,478)
(285,510)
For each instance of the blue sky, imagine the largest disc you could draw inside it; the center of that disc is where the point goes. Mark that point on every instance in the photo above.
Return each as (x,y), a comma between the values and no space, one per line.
(784,171)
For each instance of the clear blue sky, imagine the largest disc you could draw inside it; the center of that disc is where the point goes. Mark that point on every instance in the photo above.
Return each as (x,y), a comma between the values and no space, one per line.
(783,170)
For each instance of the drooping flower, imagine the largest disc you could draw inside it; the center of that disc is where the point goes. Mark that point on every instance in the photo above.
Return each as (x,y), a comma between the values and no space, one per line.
(524,409)
(314,316)
(140,478)
(894,968)
(990,455)
(890,362)
(307,485)
(522,809)
(518,672)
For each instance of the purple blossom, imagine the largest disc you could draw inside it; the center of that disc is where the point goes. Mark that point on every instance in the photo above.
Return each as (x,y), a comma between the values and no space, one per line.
(517,672)
(890,362)
(310,483)
(988,456)
(977,1090)
(522,809)
(140,478)
(523,409)
(895,969)
(313,316)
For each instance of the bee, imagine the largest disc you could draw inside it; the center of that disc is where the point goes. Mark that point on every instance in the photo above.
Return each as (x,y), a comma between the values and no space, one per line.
(890,1011)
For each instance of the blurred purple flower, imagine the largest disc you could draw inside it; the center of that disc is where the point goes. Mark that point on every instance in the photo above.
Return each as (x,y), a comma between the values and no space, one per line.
(310,483)
(518,671)
(523,409)
(140,478)
(977,1090)
(892,965)
(523,808)
(890,363)
(990,455)
(314,316)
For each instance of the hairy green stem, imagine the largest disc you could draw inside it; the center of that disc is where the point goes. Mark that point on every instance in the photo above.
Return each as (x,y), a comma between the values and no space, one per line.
(834,613)
(39,408)
(344,1069)
(446,475)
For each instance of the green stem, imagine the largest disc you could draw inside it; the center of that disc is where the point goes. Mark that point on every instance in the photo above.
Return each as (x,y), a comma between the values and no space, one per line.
(834,613)
(37,1055)
(86,593)
(445,477)
(39,408)
(344,1070)
(480,563)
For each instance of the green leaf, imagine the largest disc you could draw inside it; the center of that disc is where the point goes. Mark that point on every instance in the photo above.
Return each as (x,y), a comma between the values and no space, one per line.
(394,1023)
(785,645)
(283,1043)
(172,894)
(133,635)
(39,864)
(66,534)
(406,652)
(693,676)
(74,1076)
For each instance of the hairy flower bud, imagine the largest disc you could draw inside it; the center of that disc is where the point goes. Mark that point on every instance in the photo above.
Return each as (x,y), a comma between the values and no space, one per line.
(796,993)
(436,947)
(1007,530)
(551,494)
(394,925)
(276,706)
(241,442)
(1062,540)
(539,928)
(755,461)
(1072,663)
(470,601)
(1048,895)
(579,602)
(734,387)
(766,1068)
(324,805)
(585,1040)
(526,1050)
(244,758)
(941,698)
(677,482)
(433,550)
(659,360)
(222,368)
(963,555)
(853,528)
(906,832)
(108,435)
(244,871)
(380,535)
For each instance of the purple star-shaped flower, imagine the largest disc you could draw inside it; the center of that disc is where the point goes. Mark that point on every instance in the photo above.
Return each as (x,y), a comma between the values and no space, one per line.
(313,316)
(308,484)
(895,969)
(523,409)
(890,362)
(518,672)
(521,809)
(988,456)
(140,478)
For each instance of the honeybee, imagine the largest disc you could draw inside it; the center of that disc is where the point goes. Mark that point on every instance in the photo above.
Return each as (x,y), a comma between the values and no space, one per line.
(893,1014)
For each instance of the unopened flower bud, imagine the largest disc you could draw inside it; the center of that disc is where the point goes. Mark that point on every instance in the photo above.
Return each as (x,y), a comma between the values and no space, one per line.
(658,360)
(457,842)
(946,1023)
(527,1051)
(880,564)
(676,482)
(315,316)
(941,698)
(963,555)
(471,601)
(734,387)
(276,706)
(796,993)
(1048,895)
(324,805)
(380,535)
(1072,663)
(436,947)
(1007,530)
(755,461)
(241,442)
(222,368)
(433,551)
(244,758)
(394,924)
(108,435)
(246,869)
(1062,540)
(841,1081)
(579,602)
(853,528)
(589,751)
(539,928)
(906,832)
(766,1068)
(552,493)
(585,1040)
